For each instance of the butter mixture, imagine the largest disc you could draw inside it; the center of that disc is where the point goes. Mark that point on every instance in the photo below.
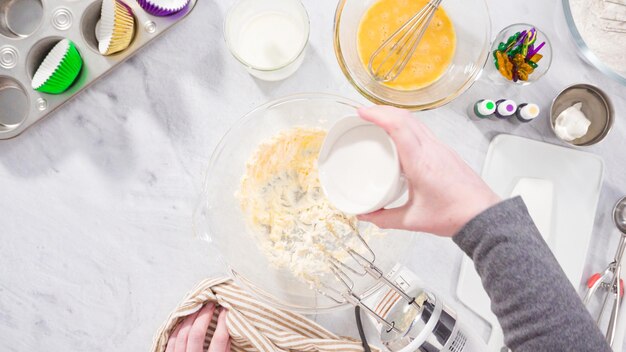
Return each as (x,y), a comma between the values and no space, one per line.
(281,197)
(572,123)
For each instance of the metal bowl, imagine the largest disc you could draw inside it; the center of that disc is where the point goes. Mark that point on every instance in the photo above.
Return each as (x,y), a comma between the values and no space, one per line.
(596,106)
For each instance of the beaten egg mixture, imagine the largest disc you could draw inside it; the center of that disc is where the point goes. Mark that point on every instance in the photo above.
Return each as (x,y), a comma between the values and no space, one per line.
(282,200)
(432,56)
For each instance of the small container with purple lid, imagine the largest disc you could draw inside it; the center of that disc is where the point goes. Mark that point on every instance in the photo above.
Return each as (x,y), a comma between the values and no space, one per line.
(505,108)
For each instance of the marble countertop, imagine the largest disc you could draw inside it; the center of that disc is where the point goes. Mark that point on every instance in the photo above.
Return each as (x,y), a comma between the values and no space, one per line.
(97,244)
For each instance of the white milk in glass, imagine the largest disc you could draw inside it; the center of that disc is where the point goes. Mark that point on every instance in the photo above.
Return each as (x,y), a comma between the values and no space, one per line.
(268,36)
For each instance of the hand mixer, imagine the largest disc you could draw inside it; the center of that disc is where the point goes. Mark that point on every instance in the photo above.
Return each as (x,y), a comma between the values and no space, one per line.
(414,321)
(392,56)
(610,280)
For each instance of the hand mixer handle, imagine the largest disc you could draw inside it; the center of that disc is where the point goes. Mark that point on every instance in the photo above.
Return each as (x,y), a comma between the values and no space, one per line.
(617,300)
(464,339)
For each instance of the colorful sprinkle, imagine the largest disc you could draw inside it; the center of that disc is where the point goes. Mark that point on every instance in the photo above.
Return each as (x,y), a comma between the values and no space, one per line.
(517,58)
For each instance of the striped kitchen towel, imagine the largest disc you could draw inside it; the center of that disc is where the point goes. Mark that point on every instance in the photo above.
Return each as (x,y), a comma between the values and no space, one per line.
(254,326)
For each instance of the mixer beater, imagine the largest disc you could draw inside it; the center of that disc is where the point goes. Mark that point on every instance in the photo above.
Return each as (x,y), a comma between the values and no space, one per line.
(410,320)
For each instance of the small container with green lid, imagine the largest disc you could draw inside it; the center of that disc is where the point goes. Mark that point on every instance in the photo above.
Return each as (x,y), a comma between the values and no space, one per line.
(482,109)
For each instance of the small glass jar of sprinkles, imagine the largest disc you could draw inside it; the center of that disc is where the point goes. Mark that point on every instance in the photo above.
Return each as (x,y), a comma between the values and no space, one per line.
(520,54)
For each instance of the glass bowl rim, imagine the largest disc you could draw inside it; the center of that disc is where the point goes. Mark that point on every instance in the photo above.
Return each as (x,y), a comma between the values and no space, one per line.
(545,38)
(239,278)
(379,100)
(584,49)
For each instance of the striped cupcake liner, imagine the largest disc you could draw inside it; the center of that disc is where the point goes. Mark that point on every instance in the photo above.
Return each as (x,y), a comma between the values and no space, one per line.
(163,8)
(117,27)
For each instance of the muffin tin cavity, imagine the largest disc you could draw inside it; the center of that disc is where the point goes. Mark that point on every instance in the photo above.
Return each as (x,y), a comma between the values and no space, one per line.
(88,23)
(38,53)
(91,21)
(14,103)
(30,29)
(20,18)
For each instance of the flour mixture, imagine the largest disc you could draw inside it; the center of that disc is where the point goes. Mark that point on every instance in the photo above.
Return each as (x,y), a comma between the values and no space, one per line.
(602,26)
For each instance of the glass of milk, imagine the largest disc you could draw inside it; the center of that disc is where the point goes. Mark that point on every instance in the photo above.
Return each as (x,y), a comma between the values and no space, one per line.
(268,37)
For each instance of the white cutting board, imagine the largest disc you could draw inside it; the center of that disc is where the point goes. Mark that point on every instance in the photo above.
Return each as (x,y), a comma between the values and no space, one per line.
(577,179)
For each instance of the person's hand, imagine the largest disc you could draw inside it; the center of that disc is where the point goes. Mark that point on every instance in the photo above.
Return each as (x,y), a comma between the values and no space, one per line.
(444,192)
(189,335)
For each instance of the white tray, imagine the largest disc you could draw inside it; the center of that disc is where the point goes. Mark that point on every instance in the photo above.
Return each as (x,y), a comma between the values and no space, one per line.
(577,179)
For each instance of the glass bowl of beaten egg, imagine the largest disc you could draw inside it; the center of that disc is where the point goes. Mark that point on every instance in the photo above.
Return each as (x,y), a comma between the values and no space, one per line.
(448,60)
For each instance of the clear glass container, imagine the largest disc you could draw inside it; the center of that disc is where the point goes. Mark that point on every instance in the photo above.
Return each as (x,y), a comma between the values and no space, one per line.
(597,59)
(245,12)
(220,220)
(542,66)
(473,32)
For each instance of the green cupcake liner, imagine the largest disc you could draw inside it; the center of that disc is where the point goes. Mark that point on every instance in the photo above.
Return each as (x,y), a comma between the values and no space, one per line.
(65,73)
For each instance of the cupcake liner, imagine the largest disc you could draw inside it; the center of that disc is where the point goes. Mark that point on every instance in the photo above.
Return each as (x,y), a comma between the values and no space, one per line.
(163,7)
(116,27)
(59,69)
(98,31)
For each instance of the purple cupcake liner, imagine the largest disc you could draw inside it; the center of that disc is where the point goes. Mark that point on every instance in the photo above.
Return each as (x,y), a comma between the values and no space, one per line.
(156,10)
(128,8)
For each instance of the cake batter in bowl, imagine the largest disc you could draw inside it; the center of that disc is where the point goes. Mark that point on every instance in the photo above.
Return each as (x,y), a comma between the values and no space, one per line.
(221,220)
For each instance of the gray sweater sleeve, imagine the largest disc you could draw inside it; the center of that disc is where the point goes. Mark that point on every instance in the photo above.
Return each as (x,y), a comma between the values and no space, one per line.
(536,305)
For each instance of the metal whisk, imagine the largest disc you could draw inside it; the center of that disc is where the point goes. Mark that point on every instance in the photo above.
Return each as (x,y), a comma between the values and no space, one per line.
(388,61)
(411,321)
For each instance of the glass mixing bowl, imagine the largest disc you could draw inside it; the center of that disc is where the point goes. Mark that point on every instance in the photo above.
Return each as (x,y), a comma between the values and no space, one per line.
(473,31)
(219,218)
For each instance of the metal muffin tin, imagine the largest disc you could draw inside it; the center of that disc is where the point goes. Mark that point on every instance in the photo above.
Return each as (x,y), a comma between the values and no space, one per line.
(50,21)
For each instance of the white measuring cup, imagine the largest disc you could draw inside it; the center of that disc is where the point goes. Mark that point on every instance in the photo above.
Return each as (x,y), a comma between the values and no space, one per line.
(359,168)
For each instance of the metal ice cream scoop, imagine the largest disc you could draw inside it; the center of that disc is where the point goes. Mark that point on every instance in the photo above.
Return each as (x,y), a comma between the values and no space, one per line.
(610,280)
